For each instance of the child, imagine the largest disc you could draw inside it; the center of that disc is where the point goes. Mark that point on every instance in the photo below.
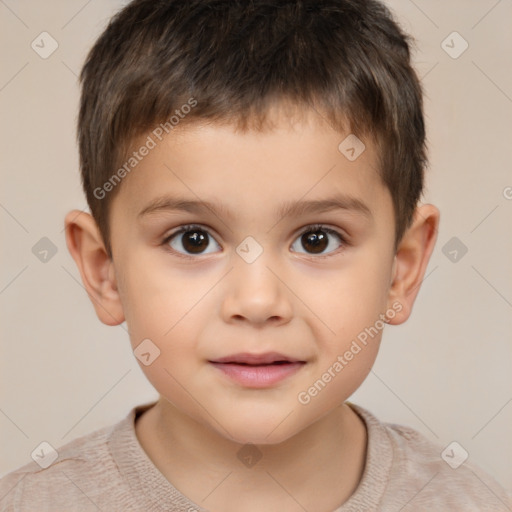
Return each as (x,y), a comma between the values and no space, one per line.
(254,170)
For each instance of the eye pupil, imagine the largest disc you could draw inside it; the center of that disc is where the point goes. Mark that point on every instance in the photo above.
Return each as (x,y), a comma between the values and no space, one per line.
(194,241)
(317,239)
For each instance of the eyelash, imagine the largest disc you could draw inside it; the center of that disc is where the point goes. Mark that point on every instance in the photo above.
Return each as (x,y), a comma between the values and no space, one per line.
(308,229)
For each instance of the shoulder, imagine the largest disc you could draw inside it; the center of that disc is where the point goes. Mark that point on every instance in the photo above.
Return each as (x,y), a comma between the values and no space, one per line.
(423,474)
(68,476)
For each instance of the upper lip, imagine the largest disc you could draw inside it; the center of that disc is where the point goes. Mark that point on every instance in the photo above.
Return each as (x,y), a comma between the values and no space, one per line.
(248,358)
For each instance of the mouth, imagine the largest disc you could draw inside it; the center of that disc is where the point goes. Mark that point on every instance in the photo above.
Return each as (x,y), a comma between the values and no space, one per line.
(257,370)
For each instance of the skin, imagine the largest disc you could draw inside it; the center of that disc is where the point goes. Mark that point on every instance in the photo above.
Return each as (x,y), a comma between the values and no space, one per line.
(290,299)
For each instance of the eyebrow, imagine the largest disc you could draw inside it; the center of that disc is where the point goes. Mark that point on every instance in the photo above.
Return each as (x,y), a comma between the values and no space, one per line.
(287,209)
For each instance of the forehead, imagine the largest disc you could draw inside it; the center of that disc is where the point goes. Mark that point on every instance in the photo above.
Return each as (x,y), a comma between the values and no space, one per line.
(252,172)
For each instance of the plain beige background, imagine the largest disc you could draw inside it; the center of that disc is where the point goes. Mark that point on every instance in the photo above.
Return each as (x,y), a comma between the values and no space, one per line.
(447,372)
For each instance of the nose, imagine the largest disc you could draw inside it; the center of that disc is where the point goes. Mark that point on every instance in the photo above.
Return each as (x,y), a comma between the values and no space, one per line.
(255,293)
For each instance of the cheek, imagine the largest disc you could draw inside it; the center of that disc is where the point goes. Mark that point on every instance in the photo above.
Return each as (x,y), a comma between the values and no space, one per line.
(158,301)
(347,327)
(163,322)
(351,300)
(163,309)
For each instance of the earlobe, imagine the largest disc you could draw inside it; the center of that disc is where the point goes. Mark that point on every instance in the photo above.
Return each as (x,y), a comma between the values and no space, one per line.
(86,246)
(411,260)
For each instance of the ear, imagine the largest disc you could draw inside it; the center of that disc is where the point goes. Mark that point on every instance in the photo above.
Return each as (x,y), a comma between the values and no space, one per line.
(86,246)
(411,260)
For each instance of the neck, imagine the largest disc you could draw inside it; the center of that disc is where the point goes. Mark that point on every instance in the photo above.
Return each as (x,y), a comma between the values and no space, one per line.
(318,468)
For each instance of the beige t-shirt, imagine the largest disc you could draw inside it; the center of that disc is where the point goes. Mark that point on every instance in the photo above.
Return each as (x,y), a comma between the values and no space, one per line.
(108,470)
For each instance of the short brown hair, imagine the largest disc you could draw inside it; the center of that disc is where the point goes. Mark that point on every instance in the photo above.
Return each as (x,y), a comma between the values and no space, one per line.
(345,58)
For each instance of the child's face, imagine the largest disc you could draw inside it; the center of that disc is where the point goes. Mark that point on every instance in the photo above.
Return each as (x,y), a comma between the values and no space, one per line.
(205,298)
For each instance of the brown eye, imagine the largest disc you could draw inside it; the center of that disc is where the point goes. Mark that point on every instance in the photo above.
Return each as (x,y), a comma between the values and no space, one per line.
(191,240)
(316,239)
(194,241)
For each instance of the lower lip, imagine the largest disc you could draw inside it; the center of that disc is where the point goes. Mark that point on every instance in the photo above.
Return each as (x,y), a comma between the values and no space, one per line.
(262,376)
